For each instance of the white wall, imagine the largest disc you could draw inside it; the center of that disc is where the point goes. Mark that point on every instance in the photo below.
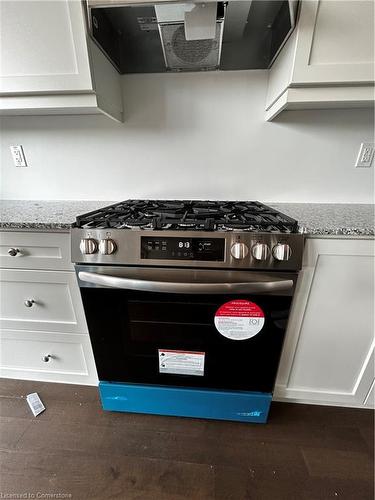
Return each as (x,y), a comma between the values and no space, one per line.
(192,136)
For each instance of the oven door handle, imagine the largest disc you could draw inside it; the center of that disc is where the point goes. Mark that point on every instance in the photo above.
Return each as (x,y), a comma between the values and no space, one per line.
(191,288)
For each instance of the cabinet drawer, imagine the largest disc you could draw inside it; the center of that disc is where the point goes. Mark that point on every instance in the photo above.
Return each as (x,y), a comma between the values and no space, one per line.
(41,300)
(24,355)
(35,250)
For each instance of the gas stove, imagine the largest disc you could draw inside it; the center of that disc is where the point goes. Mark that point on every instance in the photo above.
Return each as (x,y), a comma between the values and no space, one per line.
(188,233)
(187,304)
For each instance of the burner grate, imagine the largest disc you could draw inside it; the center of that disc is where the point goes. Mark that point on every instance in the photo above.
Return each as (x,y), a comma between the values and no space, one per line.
(188,215)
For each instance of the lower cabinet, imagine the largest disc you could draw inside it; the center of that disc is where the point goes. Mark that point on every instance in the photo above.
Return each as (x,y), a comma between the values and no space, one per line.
(328,356)
(41,300)
(44,333)
(47,356)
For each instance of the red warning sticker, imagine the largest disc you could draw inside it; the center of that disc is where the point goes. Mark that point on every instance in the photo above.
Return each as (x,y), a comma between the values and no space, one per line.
(239,319)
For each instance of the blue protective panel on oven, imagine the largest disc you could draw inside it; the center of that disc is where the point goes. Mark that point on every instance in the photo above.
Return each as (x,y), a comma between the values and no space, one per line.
(184,402)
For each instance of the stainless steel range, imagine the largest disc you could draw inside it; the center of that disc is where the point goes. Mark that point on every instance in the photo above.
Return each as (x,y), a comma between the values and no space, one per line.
(187,303)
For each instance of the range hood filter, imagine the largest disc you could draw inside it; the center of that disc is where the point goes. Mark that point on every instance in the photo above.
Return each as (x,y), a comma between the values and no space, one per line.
(181,54)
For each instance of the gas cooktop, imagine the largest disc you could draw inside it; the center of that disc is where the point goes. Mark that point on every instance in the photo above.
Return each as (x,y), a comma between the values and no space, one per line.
(189,215)
(190,233)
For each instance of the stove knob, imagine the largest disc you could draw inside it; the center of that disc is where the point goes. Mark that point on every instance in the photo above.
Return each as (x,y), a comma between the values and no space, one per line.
(88,246)
(239,250)
(260,251)
(107,246)
(281,251)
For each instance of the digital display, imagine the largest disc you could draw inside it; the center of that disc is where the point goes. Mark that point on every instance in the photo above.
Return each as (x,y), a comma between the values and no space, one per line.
(204,249)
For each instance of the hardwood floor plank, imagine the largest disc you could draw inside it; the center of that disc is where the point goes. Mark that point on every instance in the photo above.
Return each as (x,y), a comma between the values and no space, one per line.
(11,431)
(51,391)
(331,416)
(337,463)
(342,489)
(232,483)
(109,477)
(299,434)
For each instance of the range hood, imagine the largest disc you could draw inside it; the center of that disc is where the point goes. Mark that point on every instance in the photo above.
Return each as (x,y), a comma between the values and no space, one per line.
(141,37)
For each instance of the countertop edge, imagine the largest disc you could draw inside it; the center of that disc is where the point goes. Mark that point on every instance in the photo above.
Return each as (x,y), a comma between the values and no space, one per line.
(306,231)
(32,226)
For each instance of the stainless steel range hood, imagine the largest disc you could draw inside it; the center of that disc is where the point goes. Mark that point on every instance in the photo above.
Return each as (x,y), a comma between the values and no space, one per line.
(143,37)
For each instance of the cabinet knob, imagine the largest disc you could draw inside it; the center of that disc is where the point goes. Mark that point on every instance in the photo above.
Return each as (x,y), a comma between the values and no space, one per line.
(13,252)
(29,302)
(47,357)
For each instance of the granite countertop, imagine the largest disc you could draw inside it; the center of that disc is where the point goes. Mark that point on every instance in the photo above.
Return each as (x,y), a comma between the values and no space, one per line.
(44,215)
(313,218)
(331,218)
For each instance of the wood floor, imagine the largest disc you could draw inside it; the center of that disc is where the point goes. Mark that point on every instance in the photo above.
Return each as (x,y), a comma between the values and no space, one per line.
(76,450)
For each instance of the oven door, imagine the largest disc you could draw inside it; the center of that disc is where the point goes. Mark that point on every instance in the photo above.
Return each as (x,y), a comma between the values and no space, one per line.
(181,327)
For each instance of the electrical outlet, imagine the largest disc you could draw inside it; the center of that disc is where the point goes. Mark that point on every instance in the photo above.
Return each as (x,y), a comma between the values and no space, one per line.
(366,155)
(18,156)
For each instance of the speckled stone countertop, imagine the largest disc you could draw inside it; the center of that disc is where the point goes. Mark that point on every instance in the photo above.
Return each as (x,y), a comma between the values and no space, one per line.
(331,218)
(44,215)
(314,218)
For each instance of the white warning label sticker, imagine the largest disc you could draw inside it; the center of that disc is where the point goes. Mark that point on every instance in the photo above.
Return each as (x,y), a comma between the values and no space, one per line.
(181,362)
(239,319)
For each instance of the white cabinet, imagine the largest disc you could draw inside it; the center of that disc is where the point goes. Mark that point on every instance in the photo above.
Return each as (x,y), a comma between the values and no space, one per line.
(47,356)
(338,47)
(44,333)
(41,300)
(23,250)
(28,63)
(48,65)
(328,356)
(329,60)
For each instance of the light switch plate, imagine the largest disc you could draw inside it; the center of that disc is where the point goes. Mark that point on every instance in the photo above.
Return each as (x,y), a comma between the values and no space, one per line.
(366,155)
(18,156)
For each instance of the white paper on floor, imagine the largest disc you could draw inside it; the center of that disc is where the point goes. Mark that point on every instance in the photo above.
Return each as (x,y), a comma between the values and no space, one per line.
(35,403)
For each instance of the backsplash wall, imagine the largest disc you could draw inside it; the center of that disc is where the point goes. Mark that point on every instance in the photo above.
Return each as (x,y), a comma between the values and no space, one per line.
(191,136)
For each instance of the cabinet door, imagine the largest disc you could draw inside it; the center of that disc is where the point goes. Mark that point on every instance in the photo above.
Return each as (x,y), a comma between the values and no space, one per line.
(41,300)
(35,250)
(328,356)
(48,356)
(43,47)
(335,42)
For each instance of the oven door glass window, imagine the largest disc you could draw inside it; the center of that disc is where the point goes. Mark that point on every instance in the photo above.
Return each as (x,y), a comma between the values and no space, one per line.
(128,329)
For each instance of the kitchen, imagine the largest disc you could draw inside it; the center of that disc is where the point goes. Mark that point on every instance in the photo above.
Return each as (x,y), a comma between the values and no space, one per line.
(289,137)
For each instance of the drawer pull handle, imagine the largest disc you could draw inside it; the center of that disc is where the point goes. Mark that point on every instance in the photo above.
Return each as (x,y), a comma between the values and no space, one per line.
(29,303)
(13,252)
(47,357)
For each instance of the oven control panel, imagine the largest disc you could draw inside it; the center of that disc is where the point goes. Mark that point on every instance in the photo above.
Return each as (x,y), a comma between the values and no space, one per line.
(221,249)
(200,249)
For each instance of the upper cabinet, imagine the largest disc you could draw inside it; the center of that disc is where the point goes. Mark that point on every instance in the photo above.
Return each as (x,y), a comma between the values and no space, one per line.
(48,65)
(329,60)
(338,46)
(43,48)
